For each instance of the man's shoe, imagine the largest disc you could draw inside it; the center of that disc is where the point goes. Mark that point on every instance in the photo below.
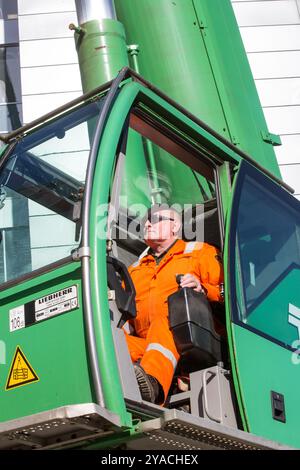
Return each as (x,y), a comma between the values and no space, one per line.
(148,385)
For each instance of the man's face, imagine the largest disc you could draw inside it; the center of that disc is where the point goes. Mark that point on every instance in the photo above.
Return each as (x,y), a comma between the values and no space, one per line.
(161,226)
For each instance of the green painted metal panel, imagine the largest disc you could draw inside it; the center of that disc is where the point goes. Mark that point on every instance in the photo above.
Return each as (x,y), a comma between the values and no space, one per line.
(55,348)
(192,50)
(264,367)
(172,54)
(234,81)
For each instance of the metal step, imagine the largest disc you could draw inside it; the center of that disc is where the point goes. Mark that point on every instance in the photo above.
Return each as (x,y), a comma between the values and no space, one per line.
(181,431)
(172,430)
(58,428)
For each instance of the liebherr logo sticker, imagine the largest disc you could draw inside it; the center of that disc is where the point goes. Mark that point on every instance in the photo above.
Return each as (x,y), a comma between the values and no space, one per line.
(20,372)
(46,307)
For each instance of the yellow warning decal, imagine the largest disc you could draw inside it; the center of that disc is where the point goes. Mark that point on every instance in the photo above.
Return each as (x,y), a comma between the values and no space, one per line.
(20,372)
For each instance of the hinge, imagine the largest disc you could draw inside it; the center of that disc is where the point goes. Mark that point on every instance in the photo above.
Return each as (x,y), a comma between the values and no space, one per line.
(17,138)
(83,252)
(270,138)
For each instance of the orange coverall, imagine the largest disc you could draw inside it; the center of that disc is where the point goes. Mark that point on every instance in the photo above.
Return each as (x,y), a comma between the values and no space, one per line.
(153,344)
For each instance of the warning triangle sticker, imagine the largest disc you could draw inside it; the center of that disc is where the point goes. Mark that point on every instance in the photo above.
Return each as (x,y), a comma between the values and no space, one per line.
(21,372)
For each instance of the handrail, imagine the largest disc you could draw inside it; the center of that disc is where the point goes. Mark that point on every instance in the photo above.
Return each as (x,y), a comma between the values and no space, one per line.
(209,415)
(84,249)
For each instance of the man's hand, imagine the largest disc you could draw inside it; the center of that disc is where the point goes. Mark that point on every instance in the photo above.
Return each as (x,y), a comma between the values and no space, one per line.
(189,280)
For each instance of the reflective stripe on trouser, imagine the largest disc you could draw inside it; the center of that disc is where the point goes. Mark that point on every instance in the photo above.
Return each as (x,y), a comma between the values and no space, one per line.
(157,352)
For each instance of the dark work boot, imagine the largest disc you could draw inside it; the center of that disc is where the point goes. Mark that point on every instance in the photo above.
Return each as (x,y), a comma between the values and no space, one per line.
(149,386)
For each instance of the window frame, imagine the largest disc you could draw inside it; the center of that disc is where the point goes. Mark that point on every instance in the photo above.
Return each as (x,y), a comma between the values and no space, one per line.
(9,151)
(200,154)
(246,169)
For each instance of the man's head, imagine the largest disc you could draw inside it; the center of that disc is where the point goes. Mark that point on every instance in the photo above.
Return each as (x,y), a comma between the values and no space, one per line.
(161,225)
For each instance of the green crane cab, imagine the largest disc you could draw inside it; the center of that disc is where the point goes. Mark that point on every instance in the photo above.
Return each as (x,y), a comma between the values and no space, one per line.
(74,187)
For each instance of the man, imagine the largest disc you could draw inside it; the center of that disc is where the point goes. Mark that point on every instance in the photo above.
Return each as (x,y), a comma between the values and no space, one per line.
(152,349)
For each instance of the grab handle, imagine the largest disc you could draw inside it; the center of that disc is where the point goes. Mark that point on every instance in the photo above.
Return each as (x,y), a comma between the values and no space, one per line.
(209,415)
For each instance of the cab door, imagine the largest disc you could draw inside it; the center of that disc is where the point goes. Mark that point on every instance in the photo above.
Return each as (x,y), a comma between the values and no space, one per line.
(263,297)
(44,360)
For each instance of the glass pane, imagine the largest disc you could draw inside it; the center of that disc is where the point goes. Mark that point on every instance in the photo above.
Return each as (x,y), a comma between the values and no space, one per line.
(157,171)
(161,178)
(41,188)
(268,247)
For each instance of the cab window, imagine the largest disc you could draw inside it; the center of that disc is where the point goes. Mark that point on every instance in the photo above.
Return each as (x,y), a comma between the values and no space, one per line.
(161,168)
(268,258)
(41,186)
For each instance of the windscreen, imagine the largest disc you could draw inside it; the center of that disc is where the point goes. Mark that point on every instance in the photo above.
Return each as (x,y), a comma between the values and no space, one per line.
(41,189)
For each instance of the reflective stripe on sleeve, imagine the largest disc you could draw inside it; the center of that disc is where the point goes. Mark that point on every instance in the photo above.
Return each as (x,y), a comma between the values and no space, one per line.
(166,352)
(191,246)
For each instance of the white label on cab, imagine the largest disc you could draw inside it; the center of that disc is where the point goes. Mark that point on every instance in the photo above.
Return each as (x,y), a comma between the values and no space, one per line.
(17,318)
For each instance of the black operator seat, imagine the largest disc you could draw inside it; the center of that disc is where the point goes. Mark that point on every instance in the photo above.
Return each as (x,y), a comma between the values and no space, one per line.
(201,223)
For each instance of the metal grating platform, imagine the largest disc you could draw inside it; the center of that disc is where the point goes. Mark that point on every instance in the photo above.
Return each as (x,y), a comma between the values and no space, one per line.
(178,430)
(172,430)
(57,428)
